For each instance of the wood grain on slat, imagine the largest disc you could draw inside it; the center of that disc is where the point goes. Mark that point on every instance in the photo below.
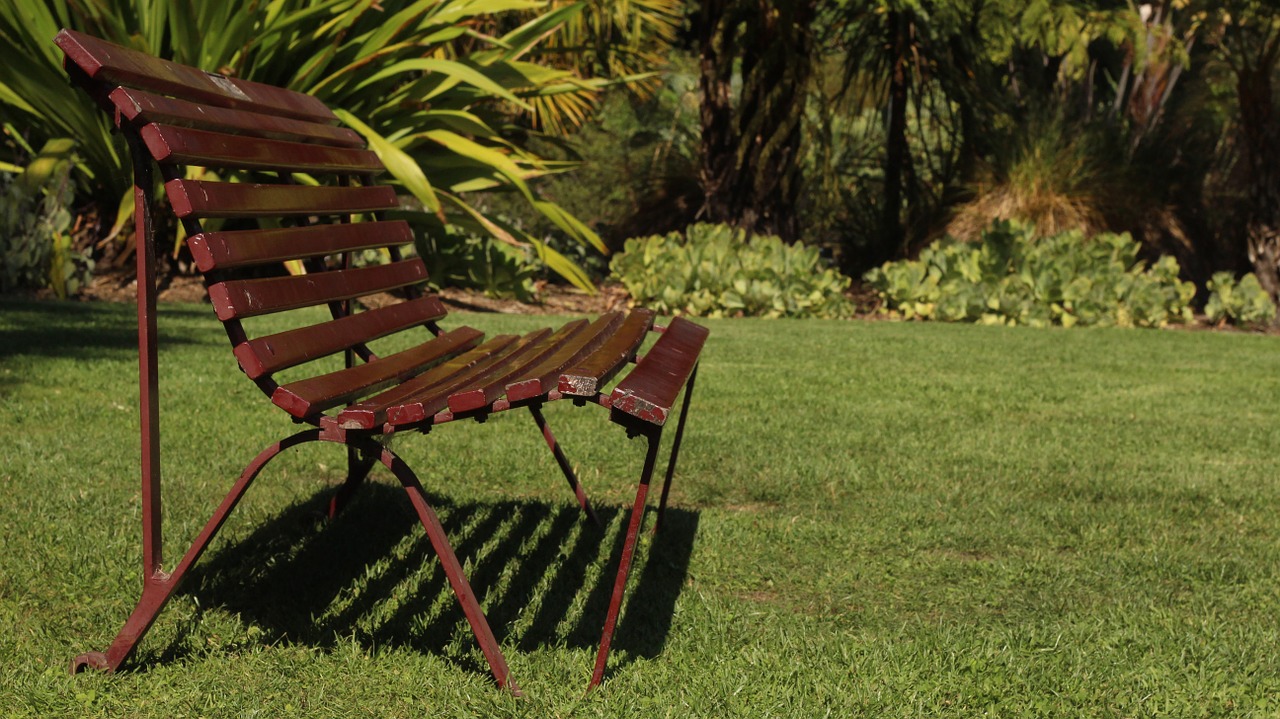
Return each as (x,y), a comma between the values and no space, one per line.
(424,395)
(273,353)
(485,389)
(433,399)
(237,299)
(568,336)
(542,377)
(110,63)
(223,250)
(142,107)
(170,144)
(308,397)
(590,375)
(198,198)
(650,391)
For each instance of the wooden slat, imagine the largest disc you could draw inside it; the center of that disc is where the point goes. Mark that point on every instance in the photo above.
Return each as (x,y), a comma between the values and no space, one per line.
(223,250)
(308,397)
(170,144)
(650,391)
(542,377)
(435,398)
(484,390)
(591,374)
(273,353)
(424,395)
(113,64)
(237,299)
(142,107)
(199,198)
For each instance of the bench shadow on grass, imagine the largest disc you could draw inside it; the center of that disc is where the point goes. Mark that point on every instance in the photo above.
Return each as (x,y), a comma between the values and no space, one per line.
(543,573)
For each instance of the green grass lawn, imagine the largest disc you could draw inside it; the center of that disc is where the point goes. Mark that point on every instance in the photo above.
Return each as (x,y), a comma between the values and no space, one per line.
(870,519)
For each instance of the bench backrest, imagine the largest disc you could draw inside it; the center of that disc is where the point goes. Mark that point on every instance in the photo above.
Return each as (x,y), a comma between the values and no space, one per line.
(185,117)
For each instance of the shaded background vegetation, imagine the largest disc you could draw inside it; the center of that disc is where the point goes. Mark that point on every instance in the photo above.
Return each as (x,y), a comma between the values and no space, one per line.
(869,128)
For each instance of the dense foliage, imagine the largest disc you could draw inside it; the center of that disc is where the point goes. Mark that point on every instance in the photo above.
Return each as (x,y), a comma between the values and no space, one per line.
(432,96)
(1013,277)
(870,127)
(1155,118)
(35,233)
(718,271)
(1242,302)
(478,263)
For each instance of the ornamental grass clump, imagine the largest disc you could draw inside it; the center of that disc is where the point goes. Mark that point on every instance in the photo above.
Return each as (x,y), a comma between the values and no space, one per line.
(1011,277)
(718,271)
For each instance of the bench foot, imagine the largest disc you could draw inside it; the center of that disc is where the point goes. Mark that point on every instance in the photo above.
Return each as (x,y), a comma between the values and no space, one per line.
(159,585)
(90,660)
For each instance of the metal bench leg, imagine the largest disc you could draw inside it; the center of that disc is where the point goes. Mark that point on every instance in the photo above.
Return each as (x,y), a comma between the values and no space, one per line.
(675,450)
(159,586)
(453,570)
(564,465)
(358,466)
(628,551)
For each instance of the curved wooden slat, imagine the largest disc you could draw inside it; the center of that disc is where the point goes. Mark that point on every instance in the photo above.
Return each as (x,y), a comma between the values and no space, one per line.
(236,299)
(272,353)
(650,390)
(170,144)
(481,394)
(424,395)
(590,375)
(110,63)
(435,398)
(484,389)
(239,248)
(308,397)
(142,107)
(542,377)
(199,198)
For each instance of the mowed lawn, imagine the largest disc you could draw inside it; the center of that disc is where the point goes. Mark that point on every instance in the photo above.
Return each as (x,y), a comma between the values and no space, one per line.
(870,519)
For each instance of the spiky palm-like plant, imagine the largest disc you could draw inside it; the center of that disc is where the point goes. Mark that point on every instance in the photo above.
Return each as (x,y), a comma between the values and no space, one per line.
(432,107)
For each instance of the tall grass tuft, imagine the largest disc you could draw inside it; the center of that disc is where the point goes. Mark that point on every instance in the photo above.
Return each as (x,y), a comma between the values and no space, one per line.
(1057,175)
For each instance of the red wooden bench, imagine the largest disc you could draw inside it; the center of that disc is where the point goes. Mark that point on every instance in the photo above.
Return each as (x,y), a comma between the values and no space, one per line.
(174,116)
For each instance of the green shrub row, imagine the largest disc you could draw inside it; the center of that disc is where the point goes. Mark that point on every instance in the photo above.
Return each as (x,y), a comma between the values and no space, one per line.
(717,271)
(1011,277)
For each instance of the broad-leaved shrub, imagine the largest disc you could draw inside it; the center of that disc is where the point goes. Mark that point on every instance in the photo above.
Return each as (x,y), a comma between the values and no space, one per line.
(1242,303)
(35,237)
(1011,277)
(717,271)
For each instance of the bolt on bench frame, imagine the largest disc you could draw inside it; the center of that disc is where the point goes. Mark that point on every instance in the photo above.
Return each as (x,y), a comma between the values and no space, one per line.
(173,117)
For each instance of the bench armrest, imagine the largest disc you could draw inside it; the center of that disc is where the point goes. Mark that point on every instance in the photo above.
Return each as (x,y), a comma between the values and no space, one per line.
(650,391)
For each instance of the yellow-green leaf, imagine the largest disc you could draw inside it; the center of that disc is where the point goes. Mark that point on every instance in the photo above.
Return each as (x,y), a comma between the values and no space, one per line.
(398,163)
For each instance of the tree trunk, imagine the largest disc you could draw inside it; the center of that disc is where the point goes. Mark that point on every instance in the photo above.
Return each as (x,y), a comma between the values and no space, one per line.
(1262,152)
(895,158)
(715,31)
(751,149)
